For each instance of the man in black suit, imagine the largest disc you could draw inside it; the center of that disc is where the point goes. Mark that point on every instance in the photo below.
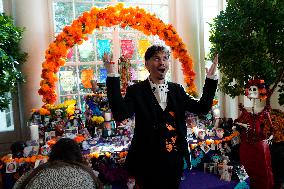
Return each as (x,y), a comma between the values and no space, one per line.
(158,148)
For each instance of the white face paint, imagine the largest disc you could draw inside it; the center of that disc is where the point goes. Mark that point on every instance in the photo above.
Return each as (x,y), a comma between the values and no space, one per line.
(253,92)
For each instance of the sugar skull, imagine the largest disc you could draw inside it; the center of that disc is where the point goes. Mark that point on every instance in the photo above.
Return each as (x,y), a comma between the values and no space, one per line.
(253,92)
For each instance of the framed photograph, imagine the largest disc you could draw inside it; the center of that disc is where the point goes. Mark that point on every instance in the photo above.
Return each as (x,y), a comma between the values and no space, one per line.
(49,135)
(213,146)
(11,167)
(235,140)
(30,151)
(191,120)
(242,174)
(71,132)
(205,148)
(109,128)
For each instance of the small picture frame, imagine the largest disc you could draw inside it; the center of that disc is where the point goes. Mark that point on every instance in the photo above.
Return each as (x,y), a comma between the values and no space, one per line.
(71,132)
(242,174)
(30,151)
(205,148)
(213,146)
(11,167)
(235,141)
(191,121)
(109,128)
(49,135)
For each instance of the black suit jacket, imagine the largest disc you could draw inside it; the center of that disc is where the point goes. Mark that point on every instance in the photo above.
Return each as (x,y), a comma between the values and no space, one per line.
(140,101)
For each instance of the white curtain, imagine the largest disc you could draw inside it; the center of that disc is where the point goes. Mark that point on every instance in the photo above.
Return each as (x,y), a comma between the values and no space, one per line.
(187,18)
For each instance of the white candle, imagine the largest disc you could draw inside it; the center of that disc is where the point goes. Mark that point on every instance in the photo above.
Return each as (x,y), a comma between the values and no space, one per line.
(107,116)
(34,132)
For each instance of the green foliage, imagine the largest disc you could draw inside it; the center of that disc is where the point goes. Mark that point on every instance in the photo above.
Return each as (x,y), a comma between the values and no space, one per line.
(10,57)
(249,38)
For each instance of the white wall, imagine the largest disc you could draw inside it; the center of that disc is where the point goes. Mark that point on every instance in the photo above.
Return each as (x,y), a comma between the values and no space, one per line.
(33,16)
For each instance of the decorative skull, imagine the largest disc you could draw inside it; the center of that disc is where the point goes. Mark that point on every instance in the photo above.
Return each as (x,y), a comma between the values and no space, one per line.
(253,92)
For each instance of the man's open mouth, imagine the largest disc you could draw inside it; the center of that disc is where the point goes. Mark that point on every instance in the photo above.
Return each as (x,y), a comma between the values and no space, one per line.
(161,70)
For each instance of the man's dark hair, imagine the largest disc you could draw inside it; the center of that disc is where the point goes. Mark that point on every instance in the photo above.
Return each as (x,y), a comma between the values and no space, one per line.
(66,149)
(154,49)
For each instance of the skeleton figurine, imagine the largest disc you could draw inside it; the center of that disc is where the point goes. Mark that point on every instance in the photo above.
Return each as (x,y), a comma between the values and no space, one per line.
(226,175)
(254,150)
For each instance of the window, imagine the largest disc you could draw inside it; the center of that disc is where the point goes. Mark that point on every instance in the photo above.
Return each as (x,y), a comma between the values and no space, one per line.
(1,6)
(6,116)
(85,60)
(6,119)
(211,9)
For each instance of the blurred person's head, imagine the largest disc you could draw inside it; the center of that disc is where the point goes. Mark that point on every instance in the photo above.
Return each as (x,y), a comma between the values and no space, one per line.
(64,153)
(66,149)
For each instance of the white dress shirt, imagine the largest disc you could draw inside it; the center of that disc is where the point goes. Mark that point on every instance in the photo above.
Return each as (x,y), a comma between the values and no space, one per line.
(161,93)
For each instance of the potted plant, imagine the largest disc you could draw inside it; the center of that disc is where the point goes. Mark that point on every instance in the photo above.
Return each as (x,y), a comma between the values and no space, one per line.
(10,58)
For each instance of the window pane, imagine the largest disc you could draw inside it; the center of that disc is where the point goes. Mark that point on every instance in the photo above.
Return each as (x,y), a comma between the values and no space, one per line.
(142,72)
(130,1)
(133,71)
(71,55)
(82,7)
(68,80)
(162,12)
(83,1)
(102,74)
(142,44)
(106,1)
(6,120)
(83,104)
(128,45)
(86,51)
(101,5)
(103,44)
(160,1)
(63,15)
(87,73)
(157,40)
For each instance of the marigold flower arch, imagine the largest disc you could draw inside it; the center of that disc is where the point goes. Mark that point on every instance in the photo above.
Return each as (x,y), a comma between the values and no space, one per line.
(137,18)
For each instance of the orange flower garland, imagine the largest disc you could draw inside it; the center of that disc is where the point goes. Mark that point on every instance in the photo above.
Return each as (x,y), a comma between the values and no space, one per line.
(137,18)
(210,141)
(8,159)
